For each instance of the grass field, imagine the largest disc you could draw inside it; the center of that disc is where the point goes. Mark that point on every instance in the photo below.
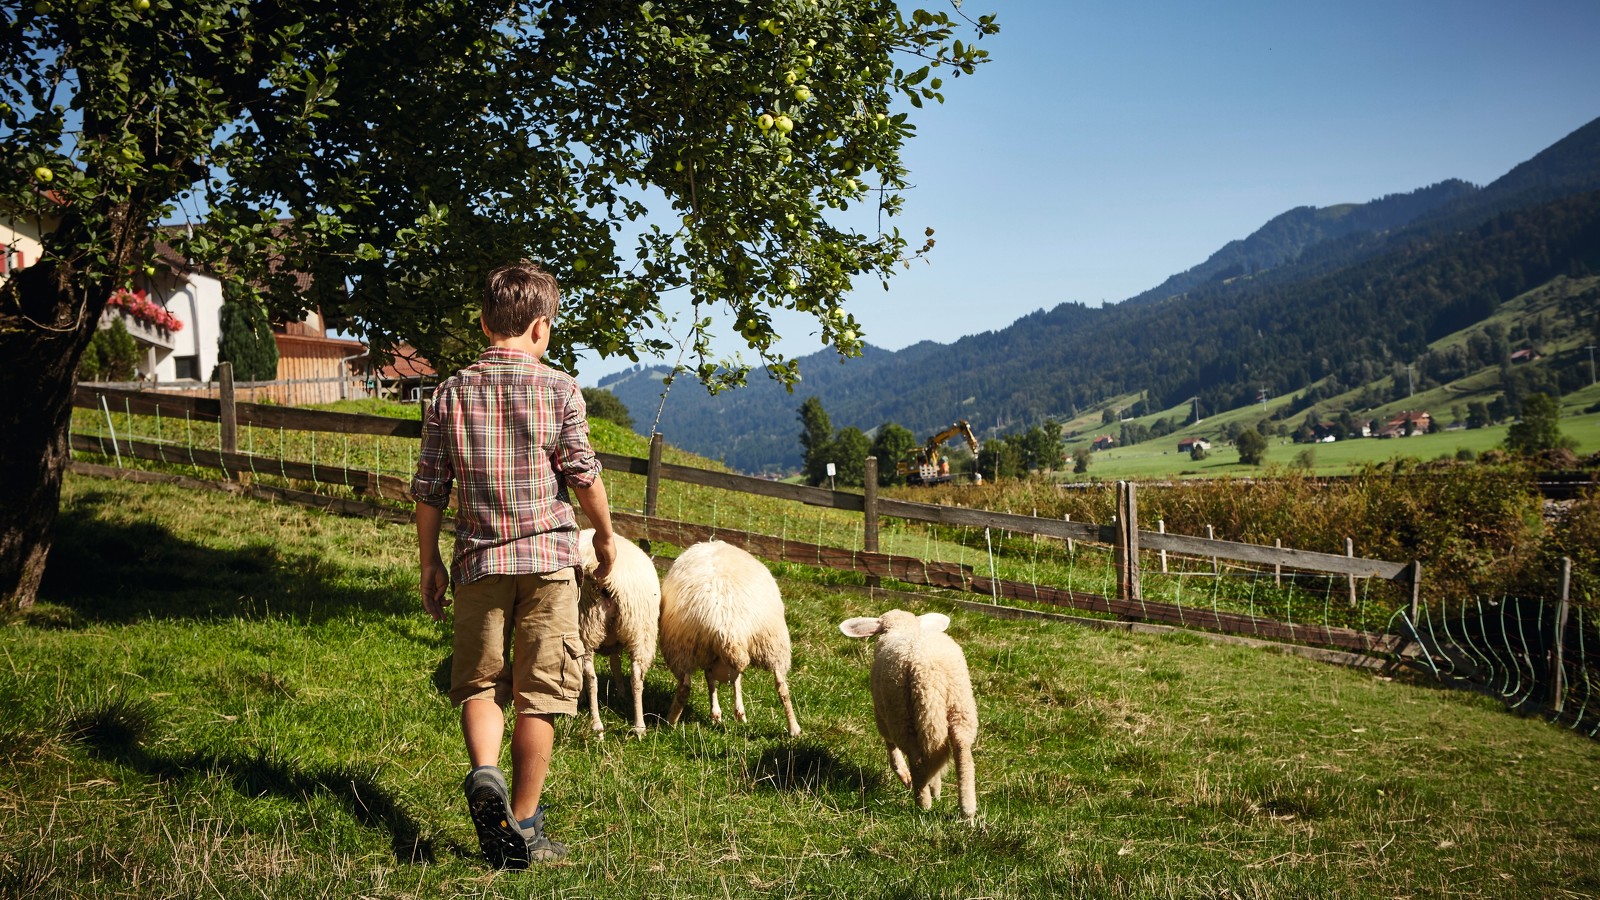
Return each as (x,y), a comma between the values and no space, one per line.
(225,698)
(1157,459)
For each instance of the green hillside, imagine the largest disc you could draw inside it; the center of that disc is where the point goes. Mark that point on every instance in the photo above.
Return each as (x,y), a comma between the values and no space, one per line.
(1555,312)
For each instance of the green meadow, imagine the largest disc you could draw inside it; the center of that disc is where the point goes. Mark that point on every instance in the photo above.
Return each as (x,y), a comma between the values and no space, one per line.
(221,697)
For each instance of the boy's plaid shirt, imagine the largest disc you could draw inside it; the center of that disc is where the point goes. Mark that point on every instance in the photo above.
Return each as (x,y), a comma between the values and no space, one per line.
(512,433)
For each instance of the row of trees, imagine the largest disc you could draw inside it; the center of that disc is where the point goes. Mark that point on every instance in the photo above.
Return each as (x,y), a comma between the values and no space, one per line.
(1007,456)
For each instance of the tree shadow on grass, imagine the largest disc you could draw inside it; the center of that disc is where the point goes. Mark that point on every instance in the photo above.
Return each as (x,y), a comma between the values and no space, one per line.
(106,571)
(116,731)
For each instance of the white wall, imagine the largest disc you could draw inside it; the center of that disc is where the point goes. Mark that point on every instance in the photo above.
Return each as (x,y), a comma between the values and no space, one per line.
(196,300)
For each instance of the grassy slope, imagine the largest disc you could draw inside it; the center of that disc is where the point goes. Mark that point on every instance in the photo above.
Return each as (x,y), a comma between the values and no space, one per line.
(228,698)
(1159,457)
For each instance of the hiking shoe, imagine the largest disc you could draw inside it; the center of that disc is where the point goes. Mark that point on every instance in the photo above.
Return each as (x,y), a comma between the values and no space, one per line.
(540,847)
(500,838)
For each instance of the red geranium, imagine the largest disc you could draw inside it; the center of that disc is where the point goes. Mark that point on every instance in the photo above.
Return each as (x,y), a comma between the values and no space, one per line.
(138,306)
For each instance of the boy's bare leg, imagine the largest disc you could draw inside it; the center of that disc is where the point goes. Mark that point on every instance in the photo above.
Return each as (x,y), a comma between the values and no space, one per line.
(533,739)
(483,724)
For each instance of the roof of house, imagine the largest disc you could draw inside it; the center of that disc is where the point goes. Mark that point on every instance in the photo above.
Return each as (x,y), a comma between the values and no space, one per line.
(406,363)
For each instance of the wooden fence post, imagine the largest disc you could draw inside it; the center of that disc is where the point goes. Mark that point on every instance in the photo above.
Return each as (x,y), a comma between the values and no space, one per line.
(1211,535)
(228,432)
(1277,568)
(1558,674)
(652,486)
(1161,526)
(1127,550)
(1350,553)
(869,513)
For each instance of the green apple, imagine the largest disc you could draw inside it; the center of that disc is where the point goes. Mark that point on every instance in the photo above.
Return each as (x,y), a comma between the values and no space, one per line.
(766,121)
(790,77)
(677,166)
(802,93)
(149,268)
(141,4)
(784,124)
(847,336)
(44,174)
(579,264)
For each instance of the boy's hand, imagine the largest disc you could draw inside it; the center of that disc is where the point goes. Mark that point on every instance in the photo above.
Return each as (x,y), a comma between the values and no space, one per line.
(605,553)
(435,590)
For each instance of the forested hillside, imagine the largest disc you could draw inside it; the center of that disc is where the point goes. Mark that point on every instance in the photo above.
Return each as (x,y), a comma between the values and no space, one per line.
(1351,304)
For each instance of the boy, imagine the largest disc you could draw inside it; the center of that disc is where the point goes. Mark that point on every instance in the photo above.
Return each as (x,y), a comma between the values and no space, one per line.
(512,433)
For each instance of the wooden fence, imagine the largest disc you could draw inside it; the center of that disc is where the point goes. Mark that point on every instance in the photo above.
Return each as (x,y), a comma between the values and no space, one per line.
(1125,537)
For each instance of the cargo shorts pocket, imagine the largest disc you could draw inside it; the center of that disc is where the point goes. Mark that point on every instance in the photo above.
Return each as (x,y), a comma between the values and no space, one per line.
(571,665)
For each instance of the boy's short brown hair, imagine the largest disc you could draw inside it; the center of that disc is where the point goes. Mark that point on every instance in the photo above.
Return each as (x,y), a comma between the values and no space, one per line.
(516,294)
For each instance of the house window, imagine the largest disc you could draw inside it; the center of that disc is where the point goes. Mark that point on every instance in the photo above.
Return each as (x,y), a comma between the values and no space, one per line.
(187,367)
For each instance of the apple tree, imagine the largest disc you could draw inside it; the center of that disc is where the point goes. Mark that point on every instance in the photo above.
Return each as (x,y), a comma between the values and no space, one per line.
(395,151)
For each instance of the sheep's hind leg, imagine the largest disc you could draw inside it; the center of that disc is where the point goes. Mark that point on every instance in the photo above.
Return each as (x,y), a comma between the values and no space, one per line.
(897,763)
(967,779)
(679,699)
(925,784)
(592,682)
(711,688)
(788,704)
(738,696)
(638,696)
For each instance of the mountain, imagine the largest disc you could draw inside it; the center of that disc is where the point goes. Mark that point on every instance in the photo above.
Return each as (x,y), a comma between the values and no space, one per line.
(1285,237)
(1338,294)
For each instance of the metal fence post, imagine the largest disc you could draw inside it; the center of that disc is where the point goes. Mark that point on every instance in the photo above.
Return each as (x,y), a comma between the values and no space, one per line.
(1558,674)
(869,512)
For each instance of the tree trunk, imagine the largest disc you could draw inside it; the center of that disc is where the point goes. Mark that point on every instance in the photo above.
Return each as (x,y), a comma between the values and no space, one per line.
(44,327)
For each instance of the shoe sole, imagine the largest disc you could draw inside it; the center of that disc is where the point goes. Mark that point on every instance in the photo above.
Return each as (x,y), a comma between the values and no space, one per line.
(502,844)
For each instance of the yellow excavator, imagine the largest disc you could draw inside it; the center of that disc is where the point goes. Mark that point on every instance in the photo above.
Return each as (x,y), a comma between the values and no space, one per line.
(926,464)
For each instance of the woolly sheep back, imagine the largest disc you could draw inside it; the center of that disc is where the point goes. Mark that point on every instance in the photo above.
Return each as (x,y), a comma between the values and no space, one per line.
(721,612)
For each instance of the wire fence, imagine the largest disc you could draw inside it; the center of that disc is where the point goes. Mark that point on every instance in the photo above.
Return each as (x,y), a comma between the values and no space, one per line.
(1352,611)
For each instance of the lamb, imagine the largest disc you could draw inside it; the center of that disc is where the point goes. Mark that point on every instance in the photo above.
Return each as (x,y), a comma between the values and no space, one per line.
(721,612)
(621,613)
(922,700)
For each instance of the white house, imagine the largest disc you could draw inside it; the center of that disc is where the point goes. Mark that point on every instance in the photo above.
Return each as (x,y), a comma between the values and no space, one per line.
(195,299)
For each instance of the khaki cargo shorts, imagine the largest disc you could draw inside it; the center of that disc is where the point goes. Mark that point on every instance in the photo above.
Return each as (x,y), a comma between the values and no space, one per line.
(536,618)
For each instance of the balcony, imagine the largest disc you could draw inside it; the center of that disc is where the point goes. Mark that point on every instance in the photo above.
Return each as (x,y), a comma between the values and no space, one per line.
(143,332)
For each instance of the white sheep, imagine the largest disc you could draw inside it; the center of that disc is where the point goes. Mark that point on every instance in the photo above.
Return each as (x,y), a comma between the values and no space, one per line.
(721,612)
(922,700)
(621,613)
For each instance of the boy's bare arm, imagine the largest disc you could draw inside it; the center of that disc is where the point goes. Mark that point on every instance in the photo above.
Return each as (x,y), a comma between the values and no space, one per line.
(435,580)
(597,508)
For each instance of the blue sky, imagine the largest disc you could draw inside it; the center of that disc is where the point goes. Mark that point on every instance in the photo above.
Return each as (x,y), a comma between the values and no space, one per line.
(1109,145)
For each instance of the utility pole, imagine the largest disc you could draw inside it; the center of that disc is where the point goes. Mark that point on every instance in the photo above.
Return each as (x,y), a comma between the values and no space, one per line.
(1590,348)
(1411,387)
(1261,394)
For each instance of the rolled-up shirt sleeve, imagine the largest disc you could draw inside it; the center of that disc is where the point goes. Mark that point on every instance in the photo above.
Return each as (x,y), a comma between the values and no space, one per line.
(574,457)
(431,484)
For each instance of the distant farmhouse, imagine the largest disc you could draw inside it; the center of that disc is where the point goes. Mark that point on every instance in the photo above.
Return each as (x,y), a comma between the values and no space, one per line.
(173,313)
(1191,444)
(1406,424)
(1103,442)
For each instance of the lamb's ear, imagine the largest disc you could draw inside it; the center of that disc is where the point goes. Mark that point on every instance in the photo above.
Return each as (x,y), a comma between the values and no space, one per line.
(934,621)
(861,626)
